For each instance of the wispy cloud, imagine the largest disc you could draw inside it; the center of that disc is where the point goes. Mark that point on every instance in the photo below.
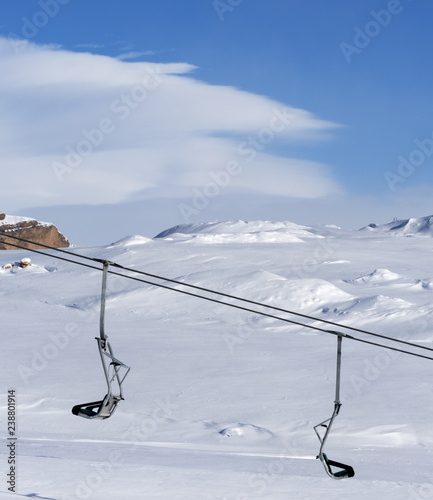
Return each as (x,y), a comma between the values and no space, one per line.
(159,138)
(89,46)
(135,54)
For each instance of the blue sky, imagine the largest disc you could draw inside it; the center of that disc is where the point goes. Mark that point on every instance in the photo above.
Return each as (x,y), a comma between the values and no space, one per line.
(355,77)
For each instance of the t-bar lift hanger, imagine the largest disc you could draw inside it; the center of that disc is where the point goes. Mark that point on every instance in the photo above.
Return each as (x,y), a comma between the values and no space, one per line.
(111,365)
(344,470)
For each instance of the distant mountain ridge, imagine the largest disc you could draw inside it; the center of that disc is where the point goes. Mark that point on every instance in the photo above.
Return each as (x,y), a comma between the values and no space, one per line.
(38,232)
(285,232)
(240,231)
(422,226)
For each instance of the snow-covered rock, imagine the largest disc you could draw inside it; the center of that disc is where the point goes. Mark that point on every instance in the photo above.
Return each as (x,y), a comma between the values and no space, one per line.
(29,229)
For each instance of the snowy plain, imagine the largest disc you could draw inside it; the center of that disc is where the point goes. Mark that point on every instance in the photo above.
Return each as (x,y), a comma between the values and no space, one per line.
(221,403)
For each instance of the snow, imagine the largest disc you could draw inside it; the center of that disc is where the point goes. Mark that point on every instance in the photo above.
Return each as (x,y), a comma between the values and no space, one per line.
(422,226)
(239,232)
(15,219)
(378,276)
(131,241)
(220,403)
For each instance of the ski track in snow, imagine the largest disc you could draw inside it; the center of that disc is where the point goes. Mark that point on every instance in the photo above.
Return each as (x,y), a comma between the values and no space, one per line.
(221,403)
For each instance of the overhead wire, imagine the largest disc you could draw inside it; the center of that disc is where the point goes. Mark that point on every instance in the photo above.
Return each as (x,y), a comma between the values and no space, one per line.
(210,299)
(234,297)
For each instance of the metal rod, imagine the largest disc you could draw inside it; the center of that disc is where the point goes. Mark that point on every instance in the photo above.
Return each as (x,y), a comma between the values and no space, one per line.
(328,423)
(103,294)
(101,347)
(338,375)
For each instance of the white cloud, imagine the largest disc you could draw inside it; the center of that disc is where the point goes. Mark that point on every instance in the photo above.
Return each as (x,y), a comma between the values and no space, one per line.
(85,128)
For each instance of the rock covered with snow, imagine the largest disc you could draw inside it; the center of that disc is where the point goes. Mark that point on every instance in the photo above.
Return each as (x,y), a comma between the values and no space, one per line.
(44,233)
(247,432)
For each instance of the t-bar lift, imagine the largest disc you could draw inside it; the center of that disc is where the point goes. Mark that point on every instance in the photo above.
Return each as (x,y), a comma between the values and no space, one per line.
(343,470)
(114,370)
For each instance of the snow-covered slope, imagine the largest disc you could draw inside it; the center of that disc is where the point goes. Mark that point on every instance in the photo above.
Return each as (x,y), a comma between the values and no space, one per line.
(239,232)
(220,403)
(422,226)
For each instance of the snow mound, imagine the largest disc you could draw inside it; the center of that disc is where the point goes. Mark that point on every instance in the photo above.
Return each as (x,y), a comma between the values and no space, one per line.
(247,431)
(15,268)
(387,436)
(378,276)
(422,226)
(130,241)
(240,232)
(423,285)
(331,262)
(299,294)
(313,293)
(381,305)
(274,289)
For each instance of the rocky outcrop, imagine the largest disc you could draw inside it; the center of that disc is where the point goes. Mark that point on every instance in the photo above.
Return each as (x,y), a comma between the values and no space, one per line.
(29,229)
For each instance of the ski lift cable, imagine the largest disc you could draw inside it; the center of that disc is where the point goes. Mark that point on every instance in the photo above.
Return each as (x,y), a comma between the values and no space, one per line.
(222,294)
(210,299)
(104,408)
(234,297)
(235,306)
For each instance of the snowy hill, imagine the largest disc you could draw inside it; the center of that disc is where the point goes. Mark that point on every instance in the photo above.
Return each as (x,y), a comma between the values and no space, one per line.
(422,226)
(240,232)
(220,403)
